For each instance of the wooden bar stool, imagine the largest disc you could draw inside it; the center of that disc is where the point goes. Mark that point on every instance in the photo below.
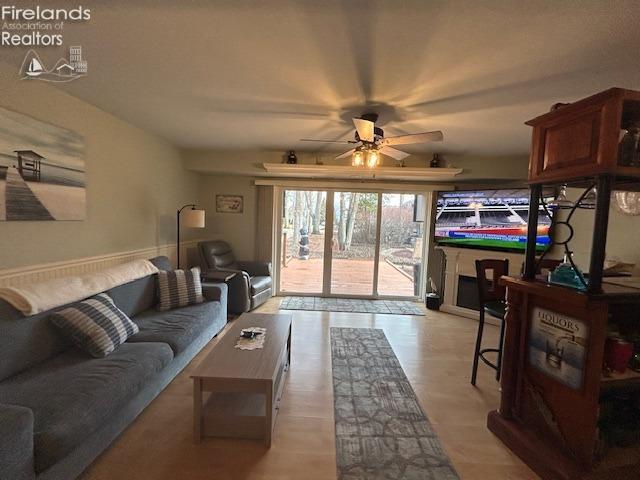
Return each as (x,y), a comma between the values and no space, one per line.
(492,301)
(544,265)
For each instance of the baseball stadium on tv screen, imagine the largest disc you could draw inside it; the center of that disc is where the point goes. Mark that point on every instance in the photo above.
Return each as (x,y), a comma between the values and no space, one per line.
(489,219)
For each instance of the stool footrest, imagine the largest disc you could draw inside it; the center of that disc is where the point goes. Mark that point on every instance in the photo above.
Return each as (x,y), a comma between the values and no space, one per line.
(487,362)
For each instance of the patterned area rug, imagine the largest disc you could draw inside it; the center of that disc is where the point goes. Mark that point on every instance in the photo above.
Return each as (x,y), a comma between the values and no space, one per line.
(381,431)
(398,307)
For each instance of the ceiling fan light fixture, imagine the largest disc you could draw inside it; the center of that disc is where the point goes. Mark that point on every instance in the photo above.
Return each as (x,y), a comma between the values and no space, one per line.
(373,157)
(372,143)
(357,159)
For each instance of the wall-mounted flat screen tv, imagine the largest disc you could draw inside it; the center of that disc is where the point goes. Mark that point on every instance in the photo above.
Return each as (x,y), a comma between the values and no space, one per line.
(489,219)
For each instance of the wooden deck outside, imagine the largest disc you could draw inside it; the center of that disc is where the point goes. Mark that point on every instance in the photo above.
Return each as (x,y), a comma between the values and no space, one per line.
(21,203)
(349,277)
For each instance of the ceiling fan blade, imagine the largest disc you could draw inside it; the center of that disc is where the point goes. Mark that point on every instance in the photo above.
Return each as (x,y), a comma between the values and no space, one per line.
(326,141)
(393,153)
(425,137)
(364,128)
(346,154)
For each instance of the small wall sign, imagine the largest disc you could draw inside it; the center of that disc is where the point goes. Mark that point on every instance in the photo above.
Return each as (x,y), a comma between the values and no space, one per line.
(557,346)
(229,204)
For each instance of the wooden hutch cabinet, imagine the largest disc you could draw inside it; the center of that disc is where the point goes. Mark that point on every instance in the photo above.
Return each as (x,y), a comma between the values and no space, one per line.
(556,402)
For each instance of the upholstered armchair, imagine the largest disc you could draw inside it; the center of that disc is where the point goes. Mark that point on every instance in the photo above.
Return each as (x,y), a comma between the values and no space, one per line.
(251,285)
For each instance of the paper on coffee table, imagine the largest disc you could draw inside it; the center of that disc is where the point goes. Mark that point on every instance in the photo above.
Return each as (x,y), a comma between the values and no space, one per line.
(252,343)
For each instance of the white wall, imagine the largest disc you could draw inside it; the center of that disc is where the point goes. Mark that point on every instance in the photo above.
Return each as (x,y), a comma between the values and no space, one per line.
(233,172)
(238,229)
(622,236)
(135,182)
(249,163)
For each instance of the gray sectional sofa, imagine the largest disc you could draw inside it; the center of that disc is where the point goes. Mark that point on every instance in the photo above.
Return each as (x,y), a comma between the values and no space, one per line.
(60,408)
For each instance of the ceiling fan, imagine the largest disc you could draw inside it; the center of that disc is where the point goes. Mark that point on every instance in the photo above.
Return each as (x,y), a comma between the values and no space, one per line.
(373,142)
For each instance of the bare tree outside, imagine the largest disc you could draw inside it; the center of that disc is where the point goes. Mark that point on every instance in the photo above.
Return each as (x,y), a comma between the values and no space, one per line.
(400,240)
(353,243)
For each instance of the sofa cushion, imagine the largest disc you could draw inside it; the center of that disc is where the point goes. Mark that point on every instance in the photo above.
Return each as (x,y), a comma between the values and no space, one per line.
(179,288)
(259,284)
(162,262)
(95,325)
(73,395)
(139,295)
(135,297)
(178,327)
(27,341)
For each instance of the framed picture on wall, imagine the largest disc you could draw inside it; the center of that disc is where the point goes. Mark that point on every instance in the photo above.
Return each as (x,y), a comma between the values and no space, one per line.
(229,204)
(42,170)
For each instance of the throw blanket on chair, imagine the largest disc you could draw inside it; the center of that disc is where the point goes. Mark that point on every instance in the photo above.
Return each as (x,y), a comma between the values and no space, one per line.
(39,297)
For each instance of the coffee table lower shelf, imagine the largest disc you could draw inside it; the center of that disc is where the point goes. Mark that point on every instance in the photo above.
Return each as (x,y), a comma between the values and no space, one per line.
(238,414)
(237,393)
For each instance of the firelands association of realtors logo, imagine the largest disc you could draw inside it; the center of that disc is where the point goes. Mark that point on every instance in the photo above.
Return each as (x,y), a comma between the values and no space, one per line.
(44,27)
(64,69)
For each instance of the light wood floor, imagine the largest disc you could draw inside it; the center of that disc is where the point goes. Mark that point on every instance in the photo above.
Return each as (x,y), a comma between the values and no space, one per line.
(435,352)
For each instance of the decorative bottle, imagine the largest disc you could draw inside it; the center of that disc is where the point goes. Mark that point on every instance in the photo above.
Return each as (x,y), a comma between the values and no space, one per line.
(567,275)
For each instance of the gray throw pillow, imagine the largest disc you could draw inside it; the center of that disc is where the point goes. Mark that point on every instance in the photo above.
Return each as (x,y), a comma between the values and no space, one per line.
(95,325)
(179,288)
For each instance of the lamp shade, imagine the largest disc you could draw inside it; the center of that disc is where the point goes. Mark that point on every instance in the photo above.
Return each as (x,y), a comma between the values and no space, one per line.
(193,218)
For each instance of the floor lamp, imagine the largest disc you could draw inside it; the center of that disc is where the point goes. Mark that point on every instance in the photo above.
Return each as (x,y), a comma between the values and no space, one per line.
(193,218)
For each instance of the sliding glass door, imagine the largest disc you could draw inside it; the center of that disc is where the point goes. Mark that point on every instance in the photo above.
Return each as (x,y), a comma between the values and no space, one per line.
(302,241)
(401,245)
(351,243)
(353,249)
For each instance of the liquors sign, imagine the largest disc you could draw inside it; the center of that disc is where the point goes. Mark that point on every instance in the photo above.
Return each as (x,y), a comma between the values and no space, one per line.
(557,346)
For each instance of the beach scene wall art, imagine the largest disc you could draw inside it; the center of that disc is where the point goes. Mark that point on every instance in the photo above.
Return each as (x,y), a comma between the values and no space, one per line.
(42,170)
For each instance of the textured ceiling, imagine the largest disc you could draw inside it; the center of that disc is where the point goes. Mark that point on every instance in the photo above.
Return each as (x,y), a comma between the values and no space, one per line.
(263,74)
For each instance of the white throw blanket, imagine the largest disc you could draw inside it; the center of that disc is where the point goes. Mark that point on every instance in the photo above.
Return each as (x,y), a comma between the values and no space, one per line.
(40,297)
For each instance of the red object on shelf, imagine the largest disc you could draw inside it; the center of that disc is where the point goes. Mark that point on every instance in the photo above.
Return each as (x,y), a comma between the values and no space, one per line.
(617,354)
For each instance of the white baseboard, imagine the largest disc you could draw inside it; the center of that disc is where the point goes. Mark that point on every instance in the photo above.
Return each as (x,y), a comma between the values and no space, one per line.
(47,271)
(468,313)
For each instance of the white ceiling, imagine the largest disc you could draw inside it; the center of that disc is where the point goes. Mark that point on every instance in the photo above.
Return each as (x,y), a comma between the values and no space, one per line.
(233,74)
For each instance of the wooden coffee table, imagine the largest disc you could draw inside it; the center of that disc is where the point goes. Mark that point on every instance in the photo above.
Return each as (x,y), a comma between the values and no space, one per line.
(237,393)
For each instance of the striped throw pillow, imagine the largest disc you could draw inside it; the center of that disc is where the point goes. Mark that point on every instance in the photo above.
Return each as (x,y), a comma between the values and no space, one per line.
(179,288)
(95,325)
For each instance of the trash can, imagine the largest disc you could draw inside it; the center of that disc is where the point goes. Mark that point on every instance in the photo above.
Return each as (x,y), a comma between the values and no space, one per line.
(433,301)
